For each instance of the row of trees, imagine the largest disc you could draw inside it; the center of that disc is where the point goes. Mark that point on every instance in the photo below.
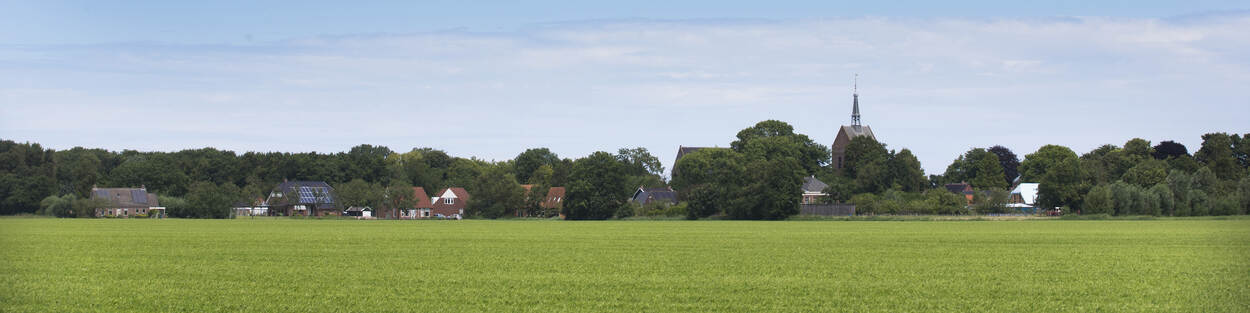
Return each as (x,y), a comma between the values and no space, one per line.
(206,182)
(1136,179)
(758,177)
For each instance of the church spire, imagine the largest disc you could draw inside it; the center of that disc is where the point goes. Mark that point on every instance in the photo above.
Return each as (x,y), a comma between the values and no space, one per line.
(855,101)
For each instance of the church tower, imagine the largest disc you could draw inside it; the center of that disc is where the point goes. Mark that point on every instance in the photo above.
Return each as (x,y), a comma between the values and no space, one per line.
(848,132)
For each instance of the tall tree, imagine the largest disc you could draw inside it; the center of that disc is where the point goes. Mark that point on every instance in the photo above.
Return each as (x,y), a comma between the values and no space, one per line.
(809,154)
(865,162)
(1217,154)
(1009,161)
(1059,173)
(596,187)
(964,168)
(774,191)
(711,181)
(989,174)
(638,162)
(496,194)
(359,193)
(905,171)
(1169,149)
(530,160)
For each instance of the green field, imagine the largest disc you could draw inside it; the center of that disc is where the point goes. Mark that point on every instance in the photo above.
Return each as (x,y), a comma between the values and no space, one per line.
(282,265)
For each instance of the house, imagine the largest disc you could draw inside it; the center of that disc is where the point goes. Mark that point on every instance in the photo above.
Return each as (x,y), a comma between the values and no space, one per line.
(1024,197)
(256,207)
(848,132)
(555,199)
(359,212)
(422,209)
(645,196)
(813,190)
(450,202)
(963,189)
(127,202)
(306,198)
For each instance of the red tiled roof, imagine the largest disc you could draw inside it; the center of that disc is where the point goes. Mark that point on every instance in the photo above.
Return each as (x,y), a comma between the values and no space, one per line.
(555,197)
(462,197)
(423,199)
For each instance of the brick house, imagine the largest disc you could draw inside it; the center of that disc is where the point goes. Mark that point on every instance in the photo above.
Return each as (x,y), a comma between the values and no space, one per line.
(813,190)
(554,199)
(422,209)
(450,202)
(126,202)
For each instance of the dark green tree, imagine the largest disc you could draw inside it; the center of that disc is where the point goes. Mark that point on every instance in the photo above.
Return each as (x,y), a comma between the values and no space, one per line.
(989,173)
(905,171)
(496,194)
(809,154)
(596,187)
(530,160)
(1009,161)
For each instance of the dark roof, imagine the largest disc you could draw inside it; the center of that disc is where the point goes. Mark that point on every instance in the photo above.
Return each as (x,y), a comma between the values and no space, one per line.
(126,197)
(858,130)
(308,192)
(811,184)
(958,187)
(648,195)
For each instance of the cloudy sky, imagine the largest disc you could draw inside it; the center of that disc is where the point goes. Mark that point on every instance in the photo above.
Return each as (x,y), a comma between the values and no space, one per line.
(492,78)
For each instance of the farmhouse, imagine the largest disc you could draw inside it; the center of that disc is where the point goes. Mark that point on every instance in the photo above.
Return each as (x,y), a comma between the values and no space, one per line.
(962,189)
(813,190)
(423,207)
(450,202)
(555,198)
(645,196)
(359,212)
(1024,197)
(306,198)
(127,202)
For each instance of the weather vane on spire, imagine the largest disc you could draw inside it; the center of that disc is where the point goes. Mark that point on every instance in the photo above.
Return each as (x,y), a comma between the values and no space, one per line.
(855,101)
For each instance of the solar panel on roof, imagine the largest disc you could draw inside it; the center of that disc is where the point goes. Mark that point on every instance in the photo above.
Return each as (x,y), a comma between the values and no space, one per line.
(139,196)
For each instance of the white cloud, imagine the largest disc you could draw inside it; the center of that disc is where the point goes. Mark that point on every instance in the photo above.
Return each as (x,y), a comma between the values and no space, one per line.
(936,86)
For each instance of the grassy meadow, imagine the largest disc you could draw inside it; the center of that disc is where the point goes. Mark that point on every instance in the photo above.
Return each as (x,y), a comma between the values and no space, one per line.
(284,265)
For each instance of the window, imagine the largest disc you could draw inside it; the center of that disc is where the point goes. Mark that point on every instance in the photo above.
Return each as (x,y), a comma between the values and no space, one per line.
(449,201)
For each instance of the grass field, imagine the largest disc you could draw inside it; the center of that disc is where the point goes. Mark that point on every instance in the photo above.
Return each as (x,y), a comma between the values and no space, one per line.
(72,265)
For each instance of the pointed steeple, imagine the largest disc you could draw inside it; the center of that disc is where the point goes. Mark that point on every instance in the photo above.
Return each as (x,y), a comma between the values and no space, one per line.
(855,101)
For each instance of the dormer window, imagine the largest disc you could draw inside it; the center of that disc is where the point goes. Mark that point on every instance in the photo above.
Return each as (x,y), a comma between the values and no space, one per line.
(449,201)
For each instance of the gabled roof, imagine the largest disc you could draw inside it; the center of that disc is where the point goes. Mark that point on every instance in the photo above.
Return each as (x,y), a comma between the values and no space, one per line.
(126,197)
(423,199)
(1027,192)
(304,192)
(458,193)
(648,195)
(811,184)
(858,130)
(959,187)
(684,150)
(555,197)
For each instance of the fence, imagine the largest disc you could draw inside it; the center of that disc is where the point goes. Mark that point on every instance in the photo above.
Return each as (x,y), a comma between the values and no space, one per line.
(827,209)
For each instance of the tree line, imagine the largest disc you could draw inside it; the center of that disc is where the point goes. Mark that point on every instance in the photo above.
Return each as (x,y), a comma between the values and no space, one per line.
(759,176)
(206,182)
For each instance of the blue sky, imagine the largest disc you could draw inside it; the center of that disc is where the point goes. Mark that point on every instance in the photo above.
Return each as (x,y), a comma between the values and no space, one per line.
(491,78)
